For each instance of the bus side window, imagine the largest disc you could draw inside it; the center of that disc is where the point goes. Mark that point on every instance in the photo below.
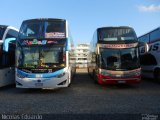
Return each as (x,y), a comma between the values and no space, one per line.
(1,56)
(98,60)
(4,59)
(11,54)
(8,58)
(93,59)
(11,34)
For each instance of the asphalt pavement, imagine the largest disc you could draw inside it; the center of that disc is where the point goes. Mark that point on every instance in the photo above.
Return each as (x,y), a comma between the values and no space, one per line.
(84,98)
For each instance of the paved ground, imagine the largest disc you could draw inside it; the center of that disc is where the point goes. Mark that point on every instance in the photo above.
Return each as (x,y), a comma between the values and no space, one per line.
(83,97)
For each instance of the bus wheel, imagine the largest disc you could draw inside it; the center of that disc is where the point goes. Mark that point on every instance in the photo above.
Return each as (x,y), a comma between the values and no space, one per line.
(70,79)
(88,70)
(89,73)
(157,74)
(95,77)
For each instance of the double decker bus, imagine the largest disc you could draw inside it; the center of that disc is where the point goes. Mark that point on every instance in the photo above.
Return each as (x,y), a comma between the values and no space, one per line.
(8,36)
(150,61)
(44,50)
(114,56)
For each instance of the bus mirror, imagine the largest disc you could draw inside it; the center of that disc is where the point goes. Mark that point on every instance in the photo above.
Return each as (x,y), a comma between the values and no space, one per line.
(6,43)
(97,60)
(144,47)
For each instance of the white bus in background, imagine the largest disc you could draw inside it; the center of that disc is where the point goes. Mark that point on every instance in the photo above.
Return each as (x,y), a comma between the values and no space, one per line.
(150,62)
(7,54)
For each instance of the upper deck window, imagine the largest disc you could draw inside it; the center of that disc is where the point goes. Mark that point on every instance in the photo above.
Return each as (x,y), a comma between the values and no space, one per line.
(30,30)
(155,35)
(55,29)
(42,29)
(115,34)
(144,38)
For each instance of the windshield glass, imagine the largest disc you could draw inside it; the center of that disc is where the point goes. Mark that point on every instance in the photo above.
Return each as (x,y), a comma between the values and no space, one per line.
(114,34)
(2,30)
(55,29)
(42,29)
(119,59)
(40,57)
(30,30)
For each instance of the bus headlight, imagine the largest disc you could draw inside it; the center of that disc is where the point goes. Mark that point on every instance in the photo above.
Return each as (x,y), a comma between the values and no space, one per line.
(104,73)
(137,73)
(60,75)
(20,75)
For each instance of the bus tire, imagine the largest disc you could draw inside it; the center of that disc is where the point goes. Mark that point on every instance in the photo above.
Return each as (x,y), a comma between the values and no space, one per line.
(95,77)
(89,73)
(70,79)
(157,74)
(75,72)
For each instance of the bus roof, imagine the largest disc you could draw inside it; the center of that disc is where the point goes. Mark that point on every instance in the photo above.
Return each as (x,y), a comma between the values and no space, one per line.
(109,27)
(41,19)
(149,32)
(3,26)
(9,27)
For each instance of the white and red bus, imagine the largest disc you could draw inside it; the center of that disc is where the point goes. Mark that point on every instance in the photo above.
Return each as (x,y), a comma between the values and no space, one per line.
(114,56)
(150,61)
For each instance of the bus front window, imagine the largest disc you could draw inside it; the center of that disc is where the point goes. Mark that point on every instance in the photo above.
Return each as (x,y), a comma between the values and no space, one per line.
(110,59)
(41,57)
(129,58)
(119,59)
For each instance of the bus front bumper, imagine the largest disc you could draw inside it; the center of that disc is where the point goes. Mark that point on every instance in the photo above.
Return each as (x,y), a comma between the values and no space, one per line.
(48,83)
(110,80)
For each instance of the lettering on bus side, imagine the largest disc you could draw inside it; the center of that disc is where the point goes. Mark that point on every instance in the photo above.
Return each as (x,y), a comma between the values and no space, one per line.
(38,42)
(118,45)
(153,47)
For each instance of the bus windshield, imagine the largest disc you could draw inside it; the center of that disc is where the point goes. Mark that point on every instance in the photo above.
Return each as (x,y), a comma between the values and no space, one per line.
(2,30)
(40,57)
(119,59)
(42,29)
(115,34)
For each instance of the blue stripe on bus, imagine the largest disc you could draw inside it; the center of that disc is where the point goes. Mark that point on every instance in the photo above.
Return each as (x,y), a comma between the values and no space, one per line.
(45,29)
(68,44)
(42,75)
(67,48)
(6,43)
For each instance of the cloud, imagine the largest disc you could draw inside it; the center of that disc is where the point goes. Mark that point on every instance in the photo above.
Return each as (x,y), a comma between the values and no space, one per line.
(150,8)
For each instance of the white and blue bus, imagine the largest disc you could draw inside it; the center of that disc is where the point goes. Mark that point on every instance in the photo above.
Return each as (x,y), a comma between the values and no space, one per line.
(44,49)
(150,61)
(8,36)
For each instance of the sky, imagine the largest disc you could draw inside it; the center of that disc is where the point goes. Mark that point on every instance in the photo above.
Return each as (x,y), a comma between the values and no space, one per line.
(85,16)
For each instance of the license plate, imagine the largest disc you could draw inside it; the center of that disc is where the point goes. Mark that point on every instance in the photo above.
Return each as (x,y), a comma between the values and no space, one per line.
(38,84)
(121,81)
(118,76)
(39,75)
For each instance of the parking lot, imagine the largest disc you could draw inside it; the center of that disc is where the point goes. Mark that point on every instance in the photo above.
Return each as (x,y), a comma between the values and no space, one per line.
(83,97)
